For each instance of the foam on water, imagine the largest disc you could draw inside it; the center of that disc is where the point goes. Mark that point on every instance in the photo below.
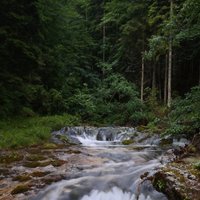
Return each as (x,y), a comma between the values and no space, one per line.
(90,140)
(114,194)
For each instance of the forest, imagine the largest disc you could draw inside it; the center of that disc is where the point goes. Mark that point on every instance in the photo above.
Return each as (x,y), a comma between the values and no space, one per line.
(100,99)
(131,62)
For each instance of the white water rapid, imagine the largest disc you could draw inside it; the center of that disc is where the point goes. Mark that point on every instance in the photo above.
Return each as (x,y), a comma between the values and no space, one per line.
(110,170)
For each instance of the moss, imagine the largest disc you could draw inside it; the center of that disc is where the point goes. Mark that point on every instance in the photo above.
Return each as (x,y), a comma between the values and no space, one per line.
(31,164)
(63,138)
(57,163)
(35,157)
(22,178)
(166,142)
(13,157)
(20,189)
(52,179)
(197,165)
(36,150)
(141,128)
(48,181)
(73,151)
(162,184)
(39,174)
(127,142)
(34,164)
(137,148)
(50,146)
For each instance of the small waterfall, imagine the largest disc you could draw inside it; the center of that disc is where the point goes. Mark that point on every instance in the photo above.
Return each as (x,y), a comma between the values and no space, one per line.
(91,136)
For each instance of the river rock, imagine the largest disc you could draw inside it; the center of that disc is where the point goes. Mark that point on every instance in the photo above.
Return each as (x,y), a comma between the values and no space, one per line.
(106,134)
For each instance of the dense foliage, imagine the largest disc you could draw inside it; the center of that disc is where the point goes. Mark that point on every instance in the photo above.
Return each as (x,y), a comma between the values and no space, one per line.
(185,115)
(84,57)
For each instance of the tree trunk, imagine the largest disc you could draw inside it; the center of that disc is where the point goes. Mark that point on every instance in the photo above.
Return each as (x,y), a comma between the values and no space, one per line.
(104,44)
(170,59)
(142,79)
(159,81)
(154,76)
(104,41)
(199,74)
(165,81)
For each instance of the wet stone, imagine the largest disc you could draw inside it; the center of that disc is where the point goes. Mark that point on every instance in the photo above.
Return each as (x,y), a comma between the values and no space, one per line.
(11,157)
(39,174)
(3,185)
(20,189)
(35,157)
(22,178)
(52,179)
(128,142)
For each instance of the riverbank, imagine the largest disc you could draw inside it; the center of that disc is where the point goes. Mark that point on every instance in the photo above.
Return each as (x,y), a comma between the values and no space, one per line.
(24,172)
(180,178)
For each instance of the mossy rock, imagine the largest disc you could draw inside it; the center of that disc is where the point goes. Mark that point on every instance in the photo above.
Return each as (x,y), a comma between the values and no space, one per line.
(35,150)
(63,138)
(52,179)
(127,142)
(162,184)
(166,142)
(141,128)
(191,149)
(135,134)
(31,164)
(20,189)
(39,174)
(57,163)
(35,157)
(13,157)
(4,171)
(50,146)
(34,164)
(73,151)
(22,178)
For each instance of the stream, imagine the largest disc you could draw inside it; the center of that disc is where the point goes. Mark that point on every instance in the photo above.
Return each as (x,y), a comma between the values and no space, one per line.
(114,171)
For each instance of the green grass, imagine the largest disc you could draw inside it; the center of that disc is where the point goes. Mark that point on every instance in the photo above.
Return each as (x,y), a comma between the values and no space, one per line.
(20,132)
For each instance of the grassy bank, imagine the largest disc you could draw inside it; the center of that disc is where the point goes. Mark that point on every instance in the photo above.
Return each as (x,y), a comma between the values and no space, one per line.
(20,132)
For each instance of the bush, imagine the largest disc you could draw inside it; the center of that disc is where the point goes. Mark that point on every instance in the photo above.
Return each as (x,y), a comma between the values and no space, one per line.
(115,100)
(118,101)
(185,114)
(82,103)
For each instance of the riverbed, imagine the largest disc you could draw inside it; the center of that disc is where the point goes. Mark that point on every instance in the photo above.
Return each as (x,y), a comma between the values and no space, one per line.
(103,169)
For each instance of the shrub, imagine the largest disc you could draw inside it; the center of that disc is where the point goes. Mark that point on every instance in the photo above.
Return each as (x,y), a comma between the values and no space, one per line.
(185,114)
(118,101)
(114,101)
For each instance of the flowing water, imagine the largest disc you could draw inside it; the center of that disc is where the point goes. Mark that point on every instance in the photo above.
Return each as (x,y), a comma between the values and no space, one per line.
(115,171)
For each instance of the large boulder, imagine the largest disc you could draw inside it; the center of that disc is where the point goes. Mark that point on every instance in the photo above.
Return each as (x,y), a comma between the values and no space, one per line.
(105,135)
